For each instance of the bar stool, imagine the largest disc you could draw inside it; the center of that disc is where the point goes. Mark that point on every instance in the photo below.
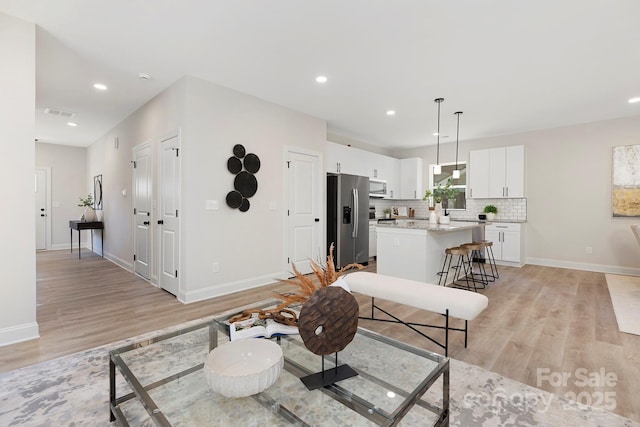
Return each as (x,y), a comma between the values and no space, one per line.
(460,265)
(479,273)
(488,246)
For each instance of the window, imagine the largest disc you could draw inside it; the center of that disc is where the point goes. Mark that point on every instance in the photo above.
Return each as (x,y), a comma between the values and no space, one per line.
(460,184)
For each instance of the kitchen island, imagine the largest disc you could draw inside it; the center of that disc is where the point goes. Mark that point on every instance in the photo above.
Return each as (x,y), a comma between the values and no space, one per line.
(414,249)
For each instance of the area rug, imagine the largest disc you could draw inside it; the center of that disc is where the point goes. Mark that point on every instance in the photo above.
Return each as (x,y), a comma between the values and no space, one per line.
(625,296)
(74,391)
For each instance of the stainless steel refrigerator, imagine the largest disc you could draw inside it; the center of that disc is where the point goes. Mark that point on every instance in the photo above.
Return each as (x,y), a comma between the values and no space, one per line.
(348,218)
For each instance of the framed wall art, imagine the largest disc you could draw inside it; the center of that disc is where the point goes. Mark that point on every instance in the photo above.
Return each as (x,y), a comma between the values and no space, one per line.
(97,192)
(626,181)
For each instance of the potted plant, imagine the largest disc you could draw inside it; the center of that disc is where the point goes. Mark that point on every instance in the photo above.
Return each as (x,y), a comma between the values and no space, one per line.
(427,197)
(387,212)
(444,194)
(89,213)
(491,212)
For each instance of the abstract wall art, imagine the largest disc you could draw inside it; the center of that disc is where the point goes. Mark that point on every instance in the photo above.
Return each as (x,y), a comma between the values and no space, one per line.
(626,181)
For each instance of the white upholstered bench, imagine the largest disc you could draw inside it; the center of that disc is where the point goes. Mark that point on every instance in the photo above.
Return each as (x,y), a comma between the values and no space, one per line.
(449,302)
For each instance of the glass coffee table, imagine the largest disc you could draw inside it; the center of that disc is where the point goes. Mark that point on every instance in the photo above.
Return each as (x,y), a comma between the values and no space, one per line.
(161,382)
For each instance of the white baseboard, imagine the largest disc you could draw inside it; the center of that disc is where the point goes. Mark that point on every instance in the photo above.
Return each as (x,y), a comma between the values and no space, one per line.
(60,246)
(598,268)
(119,262)
(19,333)
(187,297)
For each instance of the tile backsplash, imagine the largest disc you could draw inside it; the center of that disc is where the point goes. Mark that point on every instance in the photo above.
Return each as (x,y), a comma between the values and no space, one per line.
(508,209)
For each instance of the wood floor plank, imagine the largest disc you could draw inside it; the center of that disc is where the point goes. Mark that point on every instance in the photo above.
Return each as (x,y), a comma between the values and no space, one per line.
(539,319)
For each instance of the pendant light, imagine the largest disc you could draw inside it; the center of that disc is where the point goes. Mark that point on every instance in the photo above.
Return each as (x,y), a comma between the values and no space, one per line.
(437,169)
(456,172)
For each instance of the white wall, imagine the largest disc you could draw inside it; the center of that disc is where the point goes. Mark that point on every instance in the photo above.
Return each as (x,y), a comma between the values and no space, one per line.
(68,183)
(568,189)
(161,115)
(248,246)
(17,168)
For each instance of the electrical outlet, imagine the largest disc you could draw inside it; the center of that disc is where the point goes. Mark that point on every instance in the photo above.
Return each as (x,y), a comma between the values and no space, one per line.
(589,250)
(215,267)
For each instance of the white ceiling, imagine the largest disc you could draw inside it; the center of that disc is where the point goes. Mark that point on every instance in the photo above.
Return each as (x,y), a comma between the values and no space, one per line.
(510,66)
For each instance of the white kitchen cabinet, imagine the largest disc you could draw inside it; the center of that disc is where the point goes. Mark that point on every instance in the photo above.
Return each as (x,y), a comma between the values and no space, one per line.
(496,173)
(411,181)
(507,241)
(373,242)
(392,175)
(479,168)
(344,159)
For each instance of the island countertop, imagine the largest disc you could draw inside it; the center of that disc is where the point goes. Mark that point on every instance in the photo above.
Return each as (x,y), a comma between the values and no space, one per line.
(421,224)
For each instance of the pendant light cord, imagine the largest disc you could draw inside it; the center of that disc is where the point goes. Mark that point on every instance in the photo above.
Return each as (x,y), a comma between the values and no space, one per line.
(457,113)
(439,101)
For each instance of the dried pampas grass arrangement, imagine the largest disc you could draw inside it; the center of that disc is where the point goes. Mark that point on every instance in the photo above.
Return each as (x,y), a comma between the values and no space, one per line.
(323,276)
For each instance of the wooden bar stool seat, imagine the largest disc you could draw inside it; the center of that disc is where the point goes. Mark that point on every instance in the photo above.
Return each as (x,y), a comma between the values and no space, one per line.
(488,246)
(476,271)
(460,265)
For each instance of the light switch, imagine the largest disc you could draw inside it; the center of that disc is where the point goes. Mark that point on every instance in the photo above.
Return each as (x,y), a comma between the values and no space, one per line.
(211,205)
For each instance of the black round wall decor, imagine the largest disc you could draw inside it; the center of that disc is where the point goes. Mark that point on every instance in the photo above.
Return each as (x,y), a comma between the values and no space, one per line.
(239,151)
(252,163)
(234,199)
(245,183)
(234,165)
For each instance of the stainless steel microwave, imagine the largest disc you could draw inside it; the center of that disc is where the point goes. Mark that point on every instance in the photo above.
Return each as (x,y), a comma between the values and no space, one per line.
(377,188)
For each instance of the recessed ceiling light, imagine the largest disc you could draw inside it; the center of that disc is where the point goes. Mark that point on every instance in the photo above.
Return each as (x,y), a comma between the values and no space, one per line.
(72,124)
(144,76)
(321,79)
(100,86)
(634,100)
(391,113)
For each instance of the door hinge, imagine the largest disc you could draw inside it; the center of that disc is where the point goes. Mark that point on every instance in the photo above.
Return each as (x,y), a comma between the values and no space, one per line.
(134,163)
(134,257)
(135,211)
(176,273)
(288,164)
(288,212)
(288,260)
(177,150)
(176,213)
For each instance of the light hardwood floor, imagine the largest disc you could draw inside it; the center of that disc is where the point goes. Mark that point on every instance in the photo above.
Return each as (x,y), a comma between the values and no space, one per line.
(540,320)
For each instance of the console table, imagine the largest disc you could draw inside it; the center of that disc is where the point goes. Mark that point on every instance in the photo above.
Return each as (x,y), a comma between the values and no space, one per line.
(82,225)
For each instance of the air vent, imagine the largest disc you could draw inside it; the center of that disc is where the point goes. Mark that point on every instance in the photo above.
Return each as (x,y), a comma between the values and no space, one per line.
(58,112)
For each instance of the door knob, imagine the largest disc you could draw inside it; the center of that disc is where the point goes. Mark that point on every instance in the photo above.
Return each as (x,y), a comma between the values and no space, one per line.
(41,214)
(317,220)
(160,221)
(41,209)
(146,223)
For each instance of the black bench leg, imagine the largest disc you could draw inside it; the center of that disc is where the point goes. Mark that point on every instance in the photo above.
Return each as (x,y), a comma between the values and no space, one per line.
(446,334)
(465,332)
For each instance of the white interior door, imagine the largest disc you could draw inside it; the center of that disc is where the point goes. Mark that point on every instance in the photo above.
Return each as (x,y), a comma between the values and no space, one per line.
(303,211)
(169,225)
(142,206)
(41,209)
